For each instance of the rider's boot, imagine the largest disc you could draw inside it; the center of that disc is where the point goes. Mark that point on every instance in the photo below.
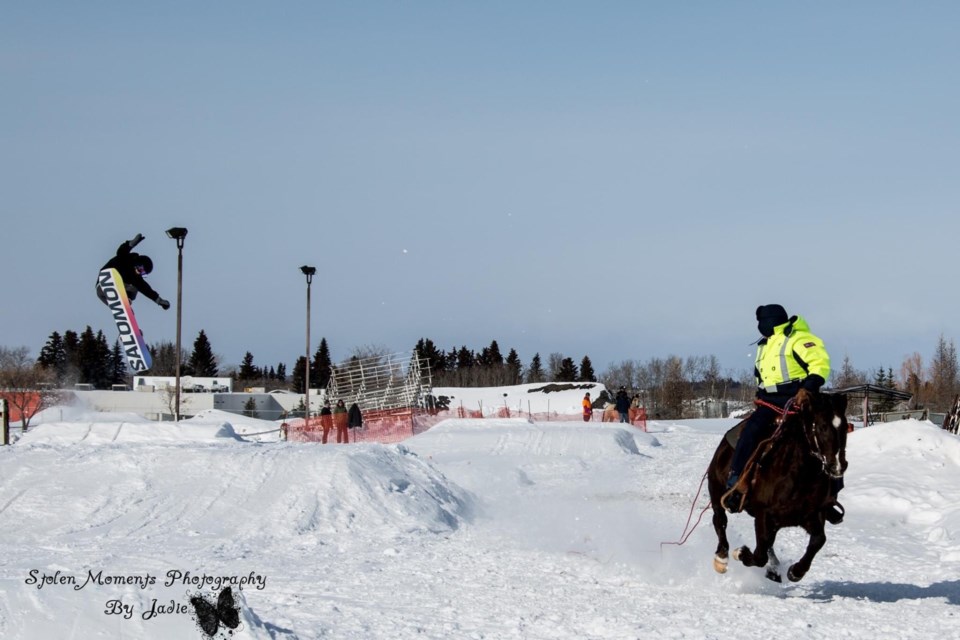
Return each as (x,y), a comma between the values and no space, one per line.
(732,498)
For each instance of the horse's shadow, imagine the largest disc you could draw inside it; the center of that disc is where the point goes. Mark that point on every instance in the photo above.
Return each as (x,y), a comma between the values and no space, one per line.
(886,591)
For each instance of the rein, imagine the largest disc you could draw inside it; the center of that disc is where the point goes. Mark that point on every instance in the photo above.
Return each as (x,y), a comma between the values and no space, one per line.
(810,435)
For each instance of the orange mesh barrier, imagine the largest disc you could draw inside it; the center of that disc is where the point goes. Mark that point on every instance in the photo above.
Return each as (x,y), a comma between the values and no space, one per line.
(395,425)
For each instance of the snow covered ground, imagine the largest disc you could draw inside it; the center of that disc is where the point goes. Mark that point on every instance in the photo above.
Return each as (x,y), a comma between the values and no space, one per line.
(474,529)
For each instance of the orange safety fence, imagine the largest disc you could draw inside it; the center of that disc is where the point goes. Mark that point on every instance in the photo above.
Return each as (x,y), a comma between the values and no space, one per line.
(395,425)
(19,403)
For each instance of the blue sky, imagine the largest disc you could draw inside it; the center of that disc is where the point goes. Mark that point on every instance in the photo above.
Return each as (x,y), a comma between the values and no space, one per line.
(621,179)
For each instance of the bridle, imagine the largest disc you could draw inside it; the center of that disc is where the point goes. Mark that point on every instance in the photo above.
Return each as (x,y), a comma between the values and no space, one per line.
(809,429)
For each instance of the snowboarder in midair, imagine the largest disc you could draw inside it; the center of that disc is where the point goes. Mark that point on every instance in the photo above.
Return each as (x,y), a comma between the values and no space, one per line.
(132,267)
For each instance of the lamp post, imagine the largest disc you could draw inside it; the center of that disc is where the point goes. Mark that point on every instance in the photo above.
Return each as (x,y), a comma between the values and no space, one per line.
(307,271)
(178,234)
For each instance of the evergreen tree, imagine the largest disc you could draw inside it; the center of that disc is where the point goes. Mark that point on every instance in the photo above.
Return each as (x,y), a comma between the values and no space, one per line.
(514,368)
(435,358)
(567,371)
(71,351)
(94,359)
(281,372)
(586,370)
(202,361)
(298,380)
(490,356)
(465,359)
(164,355)
(250,408)
(53,357)
(118,364)
(271,374)
(321,369)
(247,369)
(535,371)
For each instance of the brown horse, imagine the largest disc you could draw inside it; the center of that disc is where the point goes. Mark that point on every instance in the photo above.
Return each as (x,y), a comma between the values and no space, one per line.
(787,483)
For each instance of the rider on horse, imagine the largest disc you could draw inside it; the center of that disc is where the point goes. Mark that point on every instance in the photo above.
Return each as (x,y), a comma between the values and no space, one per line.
(789,358)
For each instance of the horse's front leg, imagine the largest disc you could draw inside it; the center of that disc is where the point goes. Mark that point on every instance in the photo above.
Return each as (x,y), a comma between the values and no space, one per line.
(764,532)
(723,546)
(817,539)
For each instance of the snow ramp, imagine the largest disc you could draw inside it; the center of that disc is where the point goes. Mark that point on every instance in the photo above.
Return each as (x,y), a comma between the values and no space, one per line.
(520,437)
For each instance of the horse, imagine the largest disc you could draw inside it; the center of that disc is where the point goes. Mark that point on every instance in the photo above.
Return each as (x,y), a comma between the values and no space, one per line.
(787,482)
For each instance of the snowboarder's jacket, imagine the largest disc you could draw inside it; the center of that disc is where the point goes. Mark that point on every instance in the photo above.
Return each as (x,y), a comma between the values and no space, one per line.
(587,406)
(126,263)
(788,357)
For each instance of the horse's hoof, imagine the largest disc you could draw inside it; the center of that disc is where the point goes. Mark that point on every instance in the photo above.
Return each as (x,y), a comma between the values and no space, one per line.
(794,577)
(774,576)
(719,564)
(744,555)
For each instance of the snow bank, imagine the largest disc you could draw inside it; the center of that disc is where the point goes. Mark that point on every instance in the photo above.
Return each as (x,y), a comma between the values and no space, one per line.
(905,474)
(98,433)
(520,437)
(541,397)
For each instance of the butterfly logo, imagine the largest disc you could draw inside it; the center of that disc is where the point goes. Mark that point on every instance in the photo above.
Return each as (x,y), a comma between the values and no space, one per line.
(210,616)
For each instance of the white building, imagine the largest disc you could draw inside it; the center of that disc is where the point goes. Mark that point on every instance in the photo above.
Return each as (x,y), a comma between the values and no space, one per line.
(194,384)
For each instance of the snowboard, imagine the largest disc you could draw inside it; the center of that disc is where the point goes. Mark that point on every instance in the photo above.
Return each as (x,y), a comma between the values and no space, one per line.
(131,338)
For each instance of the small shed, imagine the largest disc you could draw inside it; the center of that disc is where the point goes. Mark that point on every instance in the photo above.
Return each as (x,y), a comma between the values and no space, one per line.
(863,393)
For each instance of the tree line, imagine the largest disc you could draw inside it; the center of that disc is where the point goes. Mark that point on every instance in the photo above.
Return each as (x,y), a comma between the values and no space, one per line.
(668,386)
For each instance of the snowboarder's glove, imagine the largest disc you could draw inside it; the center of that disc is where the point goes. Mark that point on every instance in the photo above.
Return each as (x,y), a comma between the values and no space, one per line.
(163,303)
(136,240)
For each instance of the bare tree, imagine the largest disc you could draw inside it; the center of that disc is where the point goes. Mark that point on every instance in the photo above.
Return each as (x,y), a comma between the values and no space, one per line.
(943,374)
(170,399)
(27,386)
(847,375)
(676,389)
(554,363)
(623,374)
(913,379)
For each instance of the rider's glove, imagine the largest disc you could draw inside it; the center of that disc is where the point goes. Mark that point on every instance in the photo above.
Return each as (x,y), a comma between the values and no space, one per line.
(813,383)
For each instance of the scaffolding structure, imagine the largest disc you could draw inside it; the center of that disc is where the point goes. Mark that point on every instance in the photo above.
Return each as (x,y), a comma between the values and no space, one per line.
(383,382)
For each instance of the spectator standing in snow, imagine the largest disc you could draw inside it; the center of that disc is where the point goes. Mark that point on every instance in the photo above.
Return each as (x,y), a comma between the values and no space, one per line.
(623,405)
(587,407)
(340,422)
(326,420)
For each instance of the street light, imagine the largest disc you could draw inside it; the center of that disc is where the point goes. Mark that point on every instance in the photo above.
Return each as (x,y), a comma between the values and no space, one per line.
(178,234)
(307,271)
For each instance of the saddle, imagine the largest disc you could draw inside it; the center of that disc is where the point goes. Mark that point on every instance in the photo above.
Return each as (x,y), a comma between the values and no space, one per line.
(742,486)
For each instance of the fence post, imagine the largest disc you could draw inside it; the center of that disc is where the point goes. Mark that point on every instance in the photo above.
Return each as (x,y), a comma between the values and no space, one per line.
(5,419)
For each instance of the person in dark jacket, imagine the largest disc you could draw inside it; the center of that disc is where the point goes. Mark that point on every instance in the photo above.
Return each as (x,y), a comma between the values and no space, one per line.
(132,267)
(354,417)
(326,420)
(623,405)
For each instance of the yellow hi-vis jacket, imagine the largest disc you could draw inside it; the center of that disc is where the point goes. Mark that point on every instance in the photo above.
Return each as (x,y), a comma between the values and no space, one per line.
(787,357)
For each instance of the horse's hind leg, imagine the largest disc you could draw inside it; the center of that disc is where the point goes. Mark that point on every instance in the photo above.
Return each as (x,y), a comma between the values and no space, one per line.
(723,546)
(817,539)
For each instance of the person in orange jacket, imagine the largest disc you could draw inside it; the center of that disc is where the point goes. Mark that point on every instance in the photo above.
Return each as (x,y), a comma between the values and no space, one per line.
(587,407)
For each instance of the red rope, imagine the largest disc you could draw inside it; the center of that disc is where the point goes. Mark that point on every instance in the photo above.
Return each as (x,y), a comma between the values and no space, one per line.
(782,411)
(686,534)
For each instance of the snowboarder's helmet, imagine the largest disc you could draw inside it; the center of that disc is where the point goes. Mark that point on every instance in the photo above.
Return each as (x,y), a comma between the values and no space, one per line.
(146,264)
